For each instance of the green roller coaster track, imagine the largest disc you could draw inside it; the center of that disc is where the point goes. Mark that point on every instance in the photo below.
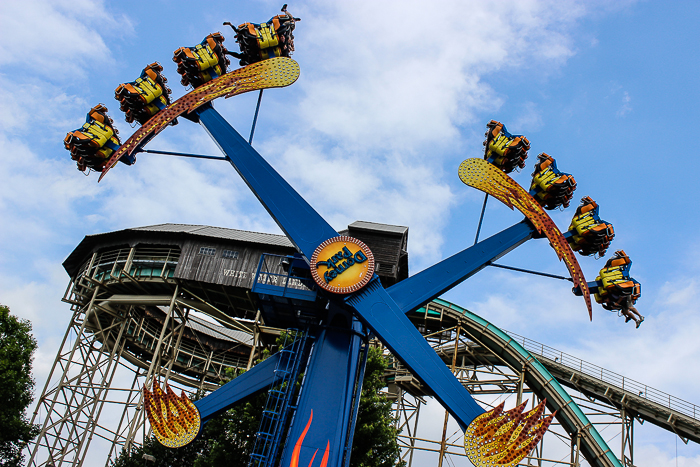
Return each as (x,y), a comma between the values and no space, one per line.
(539,379)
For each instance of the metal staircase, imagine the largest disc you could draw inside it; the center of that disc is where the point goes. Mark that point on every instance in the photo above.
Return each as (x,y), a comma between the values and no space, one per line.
(279,403)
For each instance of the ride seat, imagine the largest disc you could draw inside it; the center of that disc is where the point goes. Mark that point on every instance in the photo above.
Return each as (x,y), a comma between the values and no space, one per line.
(267,37)
(96,133)
(504,150)
(144,89)
(615,282)
(550,187)
(203,62)
(146,96)
(588,222)
(202,55)
(94,142)
(265,40)
(611,276)
(587,233)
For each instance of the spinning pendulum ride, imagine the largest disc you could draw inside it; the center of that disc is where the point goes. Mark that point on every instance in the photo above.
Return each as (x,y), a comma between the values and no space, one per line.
(347,304)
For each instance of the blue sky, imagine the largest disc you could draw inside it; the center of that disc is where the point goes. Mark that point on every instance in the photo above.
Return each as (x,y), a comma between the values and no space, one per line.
(392,95)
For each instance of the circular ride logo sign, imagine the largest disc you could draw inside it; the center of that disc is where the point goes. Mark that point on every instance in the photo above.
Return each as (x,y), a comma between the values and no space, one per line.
(342,265)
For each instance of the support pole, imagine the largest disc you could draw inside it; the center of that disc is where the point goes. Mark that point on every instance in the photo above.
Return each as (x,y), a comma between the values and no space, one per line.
(627,453)
(157,354)
(184,154)
(528,271)
(125,420)
(101,394)
(415,431)
(175,350)
(206,368)
(256,336)
(575,449)
(443,442)
(481,219)
(356,402)
(540,453)
(54,428)
(255,118)
(521,383)
(154,367)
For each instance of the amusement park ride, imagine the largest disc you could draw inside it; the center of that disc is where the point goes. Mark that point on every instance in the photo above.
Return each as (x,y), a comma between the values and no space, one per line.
(347,303)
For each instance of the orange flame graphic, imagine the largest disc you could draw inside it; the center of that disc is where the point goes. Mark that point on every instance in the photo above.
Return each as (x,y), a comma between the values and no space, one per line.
(297,448)
(175,419)
(272,73)
(502,439)
(483,176)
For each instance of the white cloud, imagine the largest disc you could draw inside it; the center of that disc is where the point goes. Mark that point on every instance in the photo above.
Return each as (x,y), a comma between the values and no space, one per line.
(37,196)
(388,92)
(625,99)
(651,456)
(55,39)
(411,75)
(626,105)
(35,111)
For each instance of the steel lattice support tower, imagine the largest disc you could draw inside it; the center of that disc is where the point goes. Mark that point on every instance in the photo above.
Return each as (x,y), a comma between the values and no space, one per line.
(98,364)
(78,386)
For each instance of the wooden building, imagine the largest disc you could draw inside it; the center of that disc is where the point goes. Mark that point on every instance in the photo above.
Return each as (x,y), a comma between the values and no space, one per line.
(217,265)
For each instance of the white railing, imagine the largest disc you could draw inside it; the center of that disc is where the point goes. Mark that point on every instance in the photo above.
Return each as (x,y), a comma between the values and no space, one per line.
(613,379)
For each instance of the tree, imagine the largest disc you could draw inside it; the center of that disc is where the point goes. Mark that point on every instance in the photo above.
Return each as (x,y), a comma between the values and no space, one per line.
(164,457)
(374,444)
(233,435)
(17,346)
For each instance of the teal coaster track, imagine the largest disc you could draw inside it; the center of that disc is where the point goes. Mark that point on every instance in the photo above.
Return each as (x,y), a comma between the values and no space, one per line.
(538,378)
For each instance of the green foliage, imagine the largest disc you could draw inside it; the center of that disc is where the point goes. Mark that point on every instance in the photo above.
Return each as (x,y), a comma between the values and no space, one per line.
(164,457)
(232,435)
(16,386)
(374,444)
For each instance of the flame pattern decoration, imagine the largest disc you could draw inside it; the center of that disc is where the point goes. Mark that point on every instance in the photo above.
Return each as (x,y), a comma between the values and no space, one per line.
(480,174)
(297,448)
(272,73)
(502,439)
(174,419)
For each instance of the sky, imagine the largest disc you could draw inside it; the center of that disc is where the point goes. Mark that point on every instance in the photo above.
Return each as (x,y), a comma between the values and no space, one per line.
(392,97)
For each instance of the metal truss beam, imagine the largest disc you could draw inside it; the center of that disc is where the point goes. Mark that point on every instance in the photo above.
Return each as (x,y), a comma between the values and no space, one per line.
(111,349)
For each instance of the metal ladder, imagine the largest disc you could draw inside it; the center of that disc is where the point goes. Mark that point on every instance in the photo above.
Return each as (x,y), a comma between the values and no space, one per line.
(279,400)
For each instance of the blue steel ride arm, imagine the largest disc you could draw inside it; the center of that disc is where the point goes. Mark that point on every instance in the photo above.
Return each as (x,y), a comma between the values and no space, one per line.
(306,229)
(413,292)
(297,219)
(258,378)
(380,313)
